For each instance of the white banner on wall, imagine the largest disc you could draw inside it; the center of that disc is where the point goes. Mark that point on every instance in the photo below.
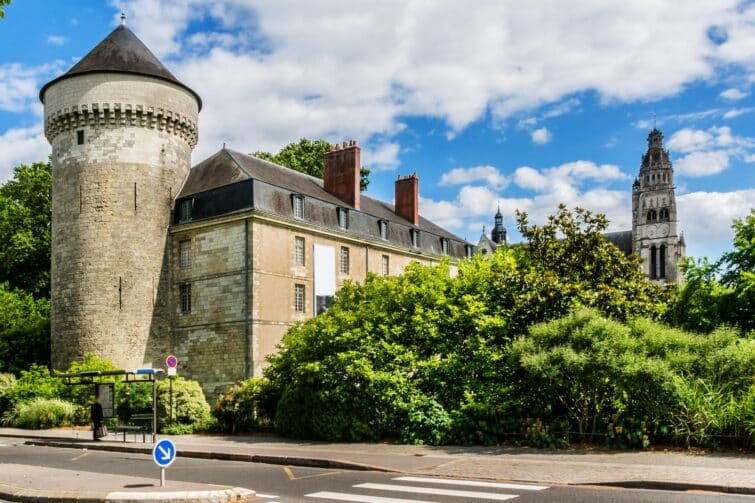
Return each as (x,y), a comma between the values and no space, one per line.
(325,277)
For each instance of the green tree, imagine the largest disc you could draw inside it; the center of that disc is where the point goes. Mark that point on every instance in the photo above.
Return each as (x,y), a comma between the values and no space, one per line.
(25,212)
(308,157)
(3,4)
(721,293)
(24,330)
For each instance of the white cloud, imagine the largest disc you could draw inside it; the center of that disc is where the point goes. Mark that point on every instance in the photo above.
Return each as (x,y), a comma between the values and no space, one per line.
(381,157)
(706,218)
(708,152)
(20,86)
(702,163)
(489,174)
(56,40)
(332,72)
(733,94)
(736,112)
(567,174)
(21,146)
(688,140)
(541,136)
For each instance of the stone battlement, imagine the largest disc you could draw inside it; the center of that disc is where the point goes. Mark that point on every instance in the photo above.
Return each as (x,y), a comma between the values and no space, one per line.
(118,115)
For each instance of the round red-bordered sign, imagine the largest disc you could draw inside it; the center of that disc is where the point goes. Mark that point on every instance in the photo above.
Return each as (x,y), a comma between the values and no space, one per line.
(171,362)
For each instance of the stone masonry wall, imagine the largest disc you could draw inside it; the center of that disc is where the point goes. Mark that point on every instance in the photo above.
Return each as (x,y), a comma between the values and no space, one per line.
(112,198)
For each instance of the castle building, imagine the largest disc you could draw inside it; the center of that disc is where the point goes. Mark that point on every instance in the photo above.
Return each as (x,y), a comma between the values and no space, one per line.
(214,263)
(655,234)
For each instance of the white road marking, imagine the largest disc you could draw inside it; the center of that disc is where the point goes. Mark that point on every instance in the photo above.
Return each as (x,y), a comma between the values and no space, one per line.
(436,491)
(265,496)
(473,483)
(361,498)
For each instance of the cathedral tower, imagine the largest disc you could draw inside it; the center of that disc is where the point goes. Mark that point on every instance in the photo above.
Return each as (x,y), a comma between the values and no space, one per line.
(655,233)
(122,129)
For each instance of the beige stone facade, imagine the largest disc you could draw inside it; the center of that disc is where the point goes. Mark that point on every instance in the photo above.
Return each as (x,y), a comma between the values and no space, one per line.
(214,341)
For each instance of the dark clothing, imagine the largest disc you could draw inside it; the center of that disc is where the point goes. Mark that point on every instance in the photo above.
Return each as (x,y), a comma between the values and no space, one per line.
(96,412)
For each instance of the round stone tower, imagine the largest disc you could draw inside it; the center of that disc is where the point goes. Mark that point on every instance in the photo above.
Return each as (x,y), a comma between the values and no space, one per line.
(122,129)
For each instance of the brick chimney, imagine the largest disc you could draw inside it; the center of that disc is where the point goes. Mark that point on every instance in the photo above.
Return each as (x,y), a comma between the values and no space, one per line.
(407,198)
(342,172)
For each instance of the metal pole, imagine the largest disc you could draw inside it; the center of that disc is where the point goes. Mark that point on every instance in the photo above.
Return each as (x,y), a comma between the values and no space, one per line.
(171,400)
(162,477)
(154,410)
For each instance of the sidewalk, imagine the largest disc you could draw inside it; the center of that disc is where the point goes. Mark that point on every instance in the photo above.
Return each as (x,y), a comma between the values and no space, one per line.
(647,469)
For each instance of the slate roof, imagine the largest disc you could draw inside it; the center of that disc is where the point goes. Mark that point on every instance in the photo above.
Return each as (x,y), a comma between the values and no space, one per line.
(622,240)
(121,52)
(228,167)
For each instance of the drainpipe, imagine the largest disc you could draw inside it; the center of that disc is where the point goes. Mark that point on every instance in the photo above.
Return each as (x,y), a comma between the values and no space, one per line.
(247,326)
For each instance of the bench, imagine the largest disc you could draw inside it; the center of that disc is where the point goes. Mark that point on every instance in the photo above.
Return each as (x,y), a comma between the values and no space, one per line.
(144,428)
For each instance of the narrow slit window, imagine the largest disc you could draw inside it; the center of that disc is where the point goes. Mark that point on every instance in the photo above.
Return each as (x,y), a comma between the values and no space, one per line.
(185,252)
(185,294)
(299,298)
(299,256)
(344,260)
(386,265)
(80,137)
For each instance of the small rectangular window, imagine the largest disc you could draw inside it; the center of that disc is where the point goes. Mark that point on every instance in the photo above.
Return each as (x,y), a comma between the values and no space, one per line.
(444,246)
(298,206)
(343,218)
(344,260)
(80,137)
(299,250)
(185,211)
(185,252)
(415,238)
(185,293)
(386,265)
(383,229)
(299,298)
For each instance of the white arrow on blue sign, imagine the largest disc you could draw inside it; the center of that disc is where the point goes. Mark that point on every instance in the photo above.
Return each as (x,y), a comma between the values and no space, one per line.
(164,453)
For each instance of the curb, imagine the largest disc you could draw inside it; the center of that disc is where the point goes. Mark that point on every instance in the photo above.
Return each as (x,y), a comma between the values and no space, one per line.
(333,464)
(26,495)
(662,485)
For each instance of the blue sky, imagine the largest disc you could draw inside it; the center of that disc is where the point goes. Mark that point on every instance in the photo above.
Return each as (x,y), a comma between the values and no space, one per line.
(517,104)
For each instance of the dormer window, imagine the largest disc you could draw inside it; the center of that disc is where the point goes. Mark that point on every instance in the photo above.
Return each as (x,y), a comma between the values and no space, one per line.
(444,246)
(184,214)
(415,237)
(298,204)
(343,218)
(383,224)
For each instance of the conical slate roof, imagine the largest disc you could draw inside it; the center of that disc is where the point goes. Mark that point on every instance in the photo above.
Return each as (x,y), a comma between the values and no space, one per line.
(121,52)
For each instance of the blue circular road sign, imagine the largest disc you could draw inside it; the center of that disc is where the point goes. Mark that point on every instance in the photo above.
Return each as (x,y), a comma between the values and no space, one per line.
(164,453)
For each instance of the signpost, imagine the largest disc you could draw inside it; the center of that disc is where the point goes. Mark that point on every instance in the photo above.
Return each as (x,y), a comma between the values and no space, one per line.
(164,453)
(171,362)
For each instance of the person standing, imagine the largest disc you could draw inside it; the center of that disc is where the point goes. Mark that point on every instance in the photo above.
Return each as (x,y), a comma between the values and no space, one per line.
(96,412)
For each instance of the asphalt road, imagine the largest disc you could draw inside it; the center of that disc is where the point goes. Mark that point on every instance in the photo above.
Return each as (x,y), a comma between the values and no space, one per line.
(275,483)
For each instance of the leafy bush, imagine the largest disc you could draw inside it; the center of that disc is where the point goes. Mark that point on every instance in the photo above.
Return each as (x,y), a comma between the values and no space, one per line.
(41,413)
(247,406)
(7,381)
(190,408)
(33,383)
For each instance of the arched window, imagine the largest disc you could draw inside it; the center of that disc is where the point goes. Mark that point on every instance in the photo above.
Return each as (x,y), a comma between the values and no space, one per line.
(652,216)
(647,179)
(663,214)
(653,263)
(662,262)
